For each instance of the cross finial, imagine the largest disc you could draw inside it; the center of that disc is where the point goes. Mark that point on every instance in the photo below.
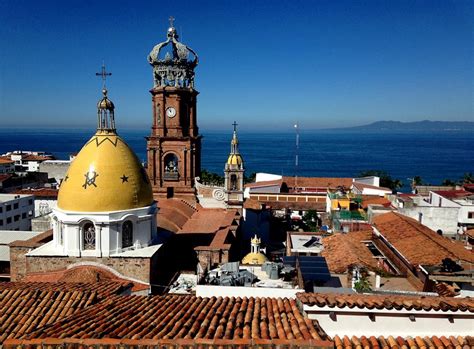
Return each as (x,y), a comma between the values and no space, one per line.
(171,19)
(103,73)
(235,126)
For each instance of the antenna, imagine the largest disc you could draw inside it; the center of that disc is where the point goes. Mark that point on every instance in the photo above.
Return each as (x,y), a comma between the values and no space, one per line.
(297,146)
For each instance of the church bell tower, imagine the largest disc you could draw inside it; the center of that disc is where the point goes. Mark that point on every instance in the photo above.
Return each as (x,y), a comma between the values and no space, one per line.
(174,145)
(234,174)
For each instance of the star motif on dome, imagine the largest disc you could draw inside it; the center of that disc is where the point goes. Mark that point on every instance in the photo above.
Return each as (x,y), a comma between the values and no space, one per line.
(124,179)
(90,179)
(66,178)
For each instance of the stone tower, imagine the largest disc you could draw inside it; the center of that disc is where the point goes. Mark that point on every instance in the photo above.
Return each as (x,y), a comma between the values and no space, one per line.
(174,145)
(234,174)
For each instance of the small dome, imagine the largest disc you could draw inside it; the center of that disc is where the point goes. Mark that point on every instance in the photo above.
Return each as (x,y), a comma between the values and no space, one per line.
(105,103)
(235,159)
(253,258)
(105,176)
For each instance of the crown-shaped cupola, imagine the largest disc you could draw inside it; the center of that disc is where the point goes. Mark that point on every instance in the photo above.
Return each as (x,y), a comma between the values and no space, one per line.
(173,62)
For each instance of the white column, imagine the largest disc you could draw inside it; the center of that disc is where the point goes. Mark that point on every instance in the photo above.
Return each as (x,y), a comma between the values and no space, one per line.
(98,240)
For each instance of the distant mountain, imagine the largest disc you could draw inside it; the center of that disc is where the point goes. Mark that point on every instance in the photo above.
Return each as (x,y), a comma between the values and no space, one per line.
(417,126)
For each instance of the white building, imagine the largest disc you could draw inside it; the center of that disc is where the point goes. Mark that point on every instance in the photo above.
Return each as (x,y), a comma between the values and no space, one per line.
(6,165)
(16,211)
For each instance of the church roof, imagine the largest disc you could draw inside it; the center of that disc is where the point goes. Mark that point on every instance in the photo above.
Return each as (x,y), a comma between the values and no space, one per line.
(105,176)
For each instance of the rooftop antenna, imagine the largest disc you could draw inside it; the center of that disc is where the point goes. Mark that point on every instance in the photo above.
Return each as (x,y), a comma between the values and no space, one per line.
(297,146)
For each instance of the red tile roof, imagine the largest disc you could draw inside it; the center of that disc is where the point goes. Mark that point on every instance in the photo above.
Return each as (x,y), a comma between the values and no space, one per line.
(441,342)
(374,200)
(25,310)
(175,317)
(417,243)
(343,251)
(4,177)
(40,192)
(102,289)
(452,194)
(374,301)
(92,276)
(32,157)
(317,182)
(276,182)
(5,160)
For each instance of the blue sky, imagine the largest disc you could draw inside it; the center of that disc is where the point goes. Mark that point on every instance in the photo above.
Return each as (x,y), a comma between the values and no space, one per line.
(265,64)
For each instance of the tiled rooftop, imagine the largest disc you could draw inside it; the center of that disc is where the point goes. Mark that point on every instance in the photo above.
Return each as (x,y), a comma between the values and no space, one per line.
(399,342)
(40,192)
(24,310)
(417,243)
(362,186)
(343,251)
(389,302)
(187,317)
(317,182)
(102,289)
(374,200)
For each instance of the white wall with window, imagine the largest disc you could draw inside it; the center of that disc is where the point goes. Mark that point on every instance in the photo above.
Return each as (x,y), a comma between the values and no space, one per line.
(101,234)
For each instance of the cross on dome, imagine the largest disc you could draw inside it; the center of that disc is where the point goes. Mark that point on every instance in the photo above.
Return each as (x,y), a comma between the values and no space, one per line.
(103,73)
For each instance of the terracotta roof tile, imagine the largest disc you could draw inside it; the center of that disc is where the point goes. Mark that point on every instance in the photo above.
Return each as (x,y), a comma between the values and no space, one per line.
(374,200)
(6,160)
(317,182)
(372,342)
(386,301)
(43,192)
(264,184)
(102,289)
(343,251)
(187,317)
(453,194)
(417,243)
(25,310)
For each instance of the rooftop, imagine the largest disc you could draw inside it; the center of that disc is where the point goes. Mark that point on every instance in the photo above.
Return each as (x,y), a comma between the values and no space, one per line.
(317,182)
(387,302)
(417,243)
(172,317)
(343,251)
(40,192)
(10,197)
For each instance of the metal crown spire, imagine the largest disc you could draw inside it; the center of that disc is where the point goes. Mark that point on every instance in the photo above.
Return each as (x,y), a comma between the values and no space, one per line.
(103,74)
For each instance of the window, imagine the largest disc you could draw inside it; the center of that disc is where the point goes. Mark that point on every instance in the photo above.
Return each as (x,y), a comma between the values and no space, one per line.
(16,218)
(15,205)
(30,202)
(1,209)
(127,234)
(9,207)
(233,182)
(88,235)
(23,215)
(470,215)
(1,222)
(9,220)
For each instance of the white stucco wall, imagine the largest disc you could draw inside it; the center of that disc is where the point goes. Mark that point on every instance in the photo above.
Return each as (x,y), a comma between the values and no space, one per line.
(391,322)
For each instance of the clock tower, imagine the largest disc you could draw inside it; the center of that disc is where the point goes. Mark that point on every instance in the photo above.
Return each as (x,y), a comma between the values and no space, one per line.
(174,145)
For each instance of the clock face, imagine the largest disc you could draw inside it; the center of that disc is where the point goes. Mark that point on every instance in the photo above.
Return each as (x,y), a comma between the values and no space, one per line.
(171,112)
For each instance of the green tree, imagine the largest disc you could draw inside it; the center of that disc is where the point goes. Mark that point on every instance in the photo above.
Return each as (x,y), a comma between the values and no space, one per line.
(250,178)
(385,179)
(417,180)
(448,182)
(211,178)
(310,218)
(468,178)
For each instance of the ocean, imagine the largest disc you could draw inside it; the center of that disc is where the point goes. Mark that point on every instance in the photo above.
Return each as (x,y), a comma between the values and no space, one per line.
(432,156)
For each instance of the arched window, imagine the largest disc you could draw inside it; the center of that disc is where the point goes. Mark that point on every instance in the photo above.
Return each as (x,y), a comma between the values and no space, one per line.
(171,167)
(127,234)
(88,236)
(233,182)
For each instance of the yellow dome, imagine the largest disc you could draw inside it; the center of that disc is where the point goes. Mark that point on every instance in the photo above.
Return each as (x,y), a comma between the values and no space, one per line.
(105,176)
(235,159)
(254,258)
